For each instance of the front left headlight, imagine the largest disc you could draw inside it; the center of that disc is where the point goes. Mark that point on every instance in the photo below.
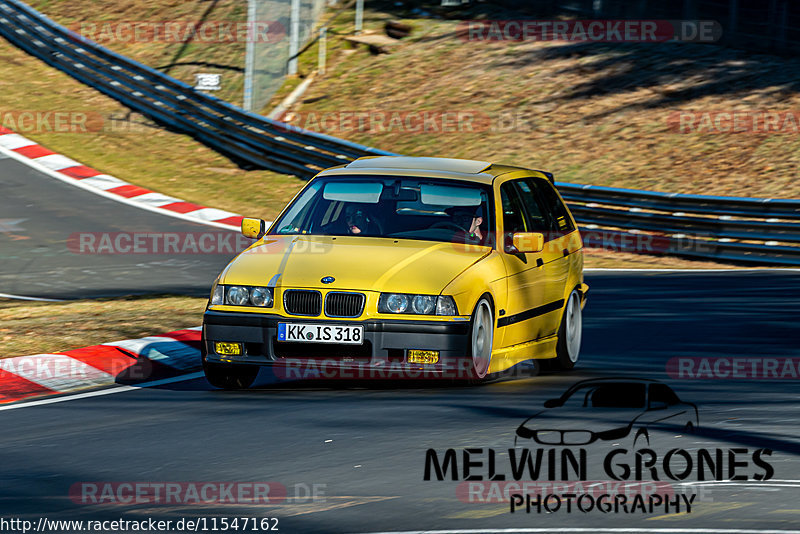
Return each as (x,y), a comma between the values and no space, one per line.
(261,297)
(417,304)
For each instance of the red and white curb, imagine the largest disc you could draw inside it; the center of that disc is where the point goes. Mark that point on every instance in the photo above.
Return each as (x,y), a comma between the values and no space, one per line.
(128,362)
(68,170)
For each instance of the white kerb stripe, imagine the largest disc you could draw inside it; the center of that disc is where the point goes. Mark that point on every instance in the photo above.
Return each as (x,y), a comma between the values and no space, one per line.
(57,162)
(211,214)
(14,141)
(103,181)
(156,199)
(57,372)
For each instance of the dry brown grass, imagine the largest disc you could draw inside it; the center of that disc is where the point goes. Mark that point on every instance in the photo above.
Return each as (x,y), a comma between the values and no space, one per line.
(39,327)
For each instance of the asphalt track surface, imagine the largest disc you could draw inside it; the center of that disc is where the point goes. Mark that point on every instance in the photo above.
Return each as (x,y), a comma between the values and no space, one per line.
(365,443)
(41,223)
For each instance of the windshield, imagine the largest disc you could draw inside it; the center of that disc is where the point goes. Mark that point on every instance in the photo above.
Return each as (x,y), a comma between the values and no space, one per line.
(393,207)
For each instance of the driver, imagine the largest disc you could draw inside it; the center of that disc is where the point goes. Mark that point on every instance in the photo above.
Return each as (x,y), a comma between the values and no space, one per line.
(358,220)
(469,219)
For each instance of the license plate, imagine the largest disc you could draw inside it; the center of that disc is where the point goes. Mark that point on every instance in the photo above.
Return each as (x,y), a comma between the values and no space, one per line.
(321,333)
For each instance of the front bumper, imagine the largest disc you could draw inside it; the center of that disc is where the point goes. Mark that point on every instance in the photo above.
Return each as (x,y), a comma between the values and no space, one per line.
(384,352)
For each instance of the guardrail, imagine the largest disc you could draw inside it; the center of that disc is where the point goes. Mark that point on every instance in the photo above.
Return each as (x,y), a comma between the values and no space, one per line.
(723,228)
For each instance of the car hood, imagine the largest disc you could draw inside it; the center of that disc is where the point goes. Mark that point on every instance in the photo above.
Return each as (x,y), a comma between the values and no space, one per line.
(356,263)
(591,419)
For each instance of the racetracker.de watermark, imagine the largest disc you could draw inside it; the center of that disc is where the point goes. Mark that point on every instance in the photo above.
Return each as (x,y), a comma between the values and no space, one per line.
(183,493)
(348,368)
(604,31)
(174,243)
(733,368)
(181,31)
(381,121)
(494,491)
(65,121)
(734,121)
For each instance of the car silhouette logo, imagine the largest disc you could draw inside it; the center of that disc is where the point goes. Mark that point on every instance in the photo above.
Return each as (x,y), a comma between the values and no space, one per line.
(608,409)
(328,280)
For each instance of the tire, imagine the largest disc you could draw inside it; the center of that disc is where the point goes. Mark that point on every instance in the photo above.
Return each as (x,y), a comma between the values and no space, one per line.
(230,377)
(481,338)
(570,333)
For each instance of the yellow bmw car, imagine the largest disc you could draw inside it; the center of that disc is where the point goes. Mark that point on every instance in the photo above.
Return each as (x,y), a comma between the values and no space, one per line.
(402,267)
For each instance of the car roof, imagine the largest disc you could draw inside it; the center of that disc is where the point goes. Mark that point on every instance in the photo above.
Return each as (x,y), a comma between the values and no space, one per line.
(457,169)
(616,380)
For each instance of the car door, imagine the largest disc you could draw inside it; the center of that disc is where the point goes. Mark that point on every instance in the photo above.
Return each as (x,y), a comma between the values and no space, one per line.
(547,214)
(520,320)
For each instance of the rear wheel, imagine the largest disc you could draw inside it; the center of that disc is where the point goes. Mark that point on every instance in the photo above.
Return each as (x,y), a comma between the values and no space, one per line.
(481,338)
(569,333)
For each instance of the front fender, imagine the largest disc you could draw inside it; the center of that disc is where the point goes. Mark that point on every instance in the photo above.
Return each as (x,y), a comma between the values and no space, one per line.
(485,276)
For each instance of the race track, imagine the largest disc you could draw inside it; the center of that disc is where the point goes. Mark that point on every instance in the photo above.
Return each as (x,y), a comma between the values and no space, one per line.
(365,444)
(42,222)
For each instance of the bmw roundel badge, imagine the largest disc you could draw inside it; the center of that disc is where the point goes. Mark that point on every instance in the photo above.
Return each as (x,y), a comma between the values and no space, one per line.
(328,280)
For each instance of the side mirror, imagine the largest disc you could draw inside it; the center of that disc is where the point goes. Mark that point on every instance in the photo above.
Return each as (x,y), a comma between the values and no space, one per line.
(525,242)
(253,228)
(658,405)
(552,403)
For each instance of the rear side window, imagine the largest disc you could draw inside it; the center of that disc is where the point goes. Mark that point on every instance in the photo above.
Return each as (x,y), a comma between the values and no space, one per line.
(560,222)
(537,217)
(662,393)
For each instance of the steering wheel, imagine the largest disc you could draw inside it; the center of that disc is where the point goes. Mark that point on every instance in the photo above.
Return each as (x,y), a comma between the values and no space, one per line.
(450,224)
(378,225)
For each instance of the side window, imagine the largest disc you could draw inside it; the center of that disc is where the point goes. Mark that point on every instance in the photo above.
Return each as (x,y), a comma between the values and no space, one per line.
(512,212)
(662,393)
(537,219)
(552,206)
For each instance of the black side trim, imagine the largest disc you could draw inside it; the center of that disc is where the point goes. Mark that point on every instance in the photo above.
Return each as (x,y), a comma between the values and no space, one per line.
(529,314)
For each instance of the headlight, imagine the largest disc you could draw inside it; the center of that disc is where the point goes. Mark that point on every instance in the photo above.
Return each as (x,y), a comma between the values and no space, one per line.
(423,304)
(261,297)
(396,303)
(416,304)
(445,305)
(218,294)
(237,296)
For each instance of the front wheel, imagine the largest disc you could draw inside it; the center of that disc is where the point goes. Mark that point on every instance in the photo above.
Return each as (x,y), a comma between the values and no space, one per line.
(481,338)
(227,376)
(569,333)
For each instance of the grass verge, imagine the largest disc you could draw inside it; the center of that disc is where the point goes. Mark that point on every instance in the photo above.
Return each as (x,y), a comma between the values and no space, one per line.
(47,327)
